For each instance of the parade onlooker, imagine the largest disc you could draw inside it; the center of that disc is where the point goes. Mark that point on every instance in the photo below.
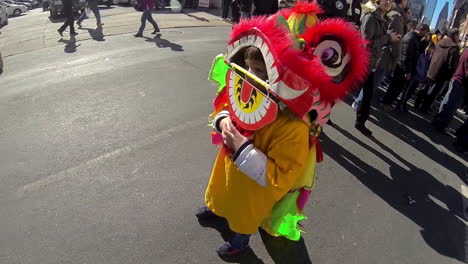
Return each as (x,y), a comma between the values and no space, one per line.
(226,5)
(437,36)
(374,29)
(420,76)
(147,6)
(455,95)
(246,8)
(406,67)
(390,52)
(93,6)
(347,9)
(70,20)
(443,64)
(265,7)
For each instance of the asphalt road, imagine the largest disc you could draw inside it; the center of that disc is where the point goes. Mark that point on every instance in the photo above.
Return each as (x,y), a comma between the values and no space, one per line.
(105,154)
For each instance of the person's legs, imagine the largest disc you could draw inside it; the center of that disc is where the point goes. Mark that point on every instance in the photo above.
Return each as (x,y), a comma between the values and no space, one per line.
(236,244)
(421,95)
(461,142)
(226,5)
(431,96)
(151,20)
(452,100)
(143,23)
(81,18)
(395,87)
(71,22)
(412,86)
(363,111)
(97,15)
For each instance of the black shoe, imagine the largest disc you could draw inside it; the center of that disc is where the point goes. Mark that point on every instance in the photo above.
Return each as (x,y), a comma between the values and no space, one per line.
(330,122)
(60,32)
(227,252)
(204,213)
(363,129)
(79,25)
(73,33)
(156,31)
(138,35)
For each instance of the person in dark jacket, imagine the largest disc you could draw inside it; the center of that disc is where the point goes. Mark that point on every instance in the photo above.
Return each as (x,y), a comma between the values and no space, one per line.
(455,95)
(265,7)
(443,64)
(406,67)
(147,6)
(93,6)
(350,10)
(70,20)
(374,29)
(390,52)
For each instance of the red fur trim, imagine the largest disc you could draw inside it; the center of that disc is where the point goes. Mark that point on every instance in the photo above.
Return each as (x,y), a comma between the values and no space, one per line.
(277,37)
(304,7)
(312,70)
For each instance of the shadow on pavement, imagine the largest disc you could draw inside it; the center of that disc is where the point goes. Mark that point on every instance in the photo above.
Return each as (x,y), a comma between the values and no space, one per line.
(197,17)
(285,251)
(281,250)
(399,124)
(96,34)
(164,43)
(70,46)
(414,193)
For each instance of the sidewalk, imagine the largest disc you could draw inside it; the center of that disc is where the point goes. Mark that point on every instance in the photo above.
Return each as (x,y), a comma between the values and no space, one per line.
(36,30)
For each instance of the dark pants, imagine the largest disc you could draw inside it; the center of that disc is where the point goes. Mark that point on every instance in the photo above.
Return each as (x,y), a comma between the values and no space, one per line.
(239,241)
(226,5)
(367,92)
(235,11)
(410,89)
(147,16)
(462,136)
(452,100)
(69,22)
(397,85)
(434,90)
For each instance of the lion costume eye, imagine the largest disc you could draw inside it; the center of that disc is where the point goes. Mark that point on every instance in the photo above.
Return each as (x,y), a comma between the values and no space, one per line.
(333,58)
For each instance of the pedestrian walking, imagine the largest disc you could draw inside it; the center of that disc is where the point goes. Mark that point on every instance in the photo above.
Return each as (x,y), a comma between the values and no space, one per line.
(148,6)
(374,29)
(93,6)
(443,65)
(453,99)
(406,67)
(70,20)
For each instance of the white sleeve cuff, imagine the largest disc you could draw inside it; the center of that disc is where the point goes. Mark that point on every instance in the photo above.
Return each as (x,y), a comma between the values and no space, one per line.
(218,118)
(253,162)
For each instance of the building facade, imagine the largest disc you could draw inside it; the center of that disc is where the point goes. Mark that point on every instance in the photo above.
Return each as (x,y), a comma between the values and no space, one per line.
(442,23)
(429,11)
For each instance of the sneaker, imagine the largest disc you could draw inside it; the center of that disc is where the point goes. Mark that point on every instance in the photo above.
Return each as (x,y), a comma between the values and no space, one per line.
(60,32)
(204,213)
(363,129)
(355,106)
(138,35)
(226,251)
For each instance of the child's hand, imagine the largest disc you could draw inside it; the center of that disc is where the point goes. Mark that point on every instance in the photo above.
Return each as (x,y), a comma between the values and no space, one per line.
(231,136)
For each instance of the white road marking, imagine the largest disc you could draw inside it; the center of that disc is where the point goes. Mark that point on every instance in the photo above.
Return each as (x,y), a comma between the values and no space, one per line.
(44,182)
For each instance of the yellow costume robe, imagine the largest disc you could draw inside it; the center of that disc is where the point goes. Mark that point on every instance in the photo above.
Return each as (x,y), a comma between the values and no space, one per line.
(242,201)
